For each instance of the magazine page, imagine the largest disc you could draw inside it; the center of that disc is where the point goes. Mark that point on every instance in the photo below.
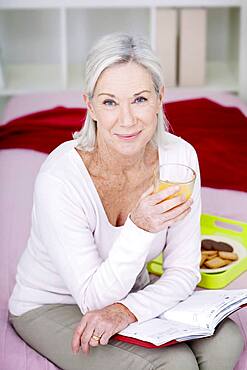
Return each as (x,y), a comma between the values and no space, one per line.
(159,331)
(226,311)
(201,308)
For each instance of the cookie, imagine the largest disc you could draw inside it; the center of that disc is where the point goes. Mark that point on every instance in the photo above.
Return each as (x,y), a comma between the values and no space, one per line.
(203,259)
(216,262)
(216,254)
(228,255)
(207,244)
(224,247)
(213,256)
(209,253)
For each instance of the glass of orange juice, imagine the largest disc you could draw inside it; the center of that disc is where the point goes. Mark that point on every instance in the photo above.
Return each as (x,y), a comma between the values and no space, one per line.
(175,174)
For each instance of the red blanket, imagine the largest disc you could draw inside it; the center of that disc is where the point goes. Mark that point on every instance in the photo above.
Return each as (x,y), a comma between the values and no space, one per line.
(218,134)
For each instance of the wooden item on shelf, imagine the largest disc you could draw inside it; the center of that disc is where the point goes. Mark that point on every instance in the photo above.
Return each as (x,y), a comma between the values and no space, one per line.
(192,47)
(166,43)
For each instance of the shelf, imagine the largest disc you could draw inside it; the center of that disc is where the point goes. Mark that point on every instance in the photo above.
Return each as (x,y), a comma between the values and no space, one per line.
(222,76)
(222,64)
(96,23)
(31,78)
(75,76)
(45,43)
(38,4)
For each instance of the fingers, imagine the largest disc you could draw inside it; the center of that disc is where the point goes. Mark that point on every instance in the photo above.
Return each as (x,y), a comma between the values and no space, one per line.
(86,338)
(179,217)
(95,339)
(162,195)
(76,340)
(83,336)
(90,333)
(169,204)
(105,338)
(174,214)
(97,327)
(156,211)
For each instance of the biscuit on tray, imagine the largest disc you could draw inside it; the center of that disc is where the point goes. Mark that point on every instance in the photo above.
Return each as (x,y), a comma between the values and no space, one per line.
(216,262)
(216,254)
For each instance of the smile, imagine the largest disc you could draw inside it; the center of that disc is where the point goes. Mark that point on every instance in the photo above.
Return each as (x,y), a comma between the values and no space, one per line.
(128,137)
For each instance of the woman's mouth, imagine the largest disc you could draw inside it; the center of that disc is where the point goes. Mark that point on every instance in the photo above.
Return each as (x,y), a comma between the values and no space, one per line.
(128,137)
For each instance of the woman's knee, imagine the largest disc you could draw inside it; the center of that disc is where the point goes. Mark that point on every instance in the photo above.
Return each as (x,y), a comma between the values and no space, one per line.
(177,357)
(228,340)
(234,340)
(220,351)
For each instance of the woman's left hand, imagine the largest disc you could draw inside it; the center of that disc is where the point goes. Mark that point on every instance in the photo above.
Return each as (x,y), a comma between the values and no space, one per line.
(98,326)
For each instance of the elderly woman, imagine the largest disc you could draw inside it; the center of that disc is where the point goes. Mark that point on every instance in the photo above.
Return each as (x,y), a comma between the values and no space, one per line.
(96,222)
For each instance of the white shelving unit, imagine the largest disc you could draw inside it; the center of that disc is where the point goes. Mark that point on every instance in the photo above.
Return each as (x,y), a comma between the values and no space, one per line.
(44,43)
(96,22)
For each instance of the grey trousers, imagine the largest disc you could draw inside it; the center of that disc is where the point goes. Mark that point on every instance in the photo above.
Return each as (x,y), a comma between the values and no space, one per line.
(49,330)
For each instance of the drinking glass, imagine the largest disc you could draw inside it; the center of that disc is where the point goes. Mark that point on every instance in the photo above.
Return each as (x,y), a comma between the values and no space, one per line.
(175,174)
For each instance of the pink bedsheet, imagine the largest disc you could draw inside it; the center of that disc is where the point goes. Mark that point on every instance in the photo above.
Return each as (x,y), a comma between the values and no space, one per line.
(25,104)
(18,169)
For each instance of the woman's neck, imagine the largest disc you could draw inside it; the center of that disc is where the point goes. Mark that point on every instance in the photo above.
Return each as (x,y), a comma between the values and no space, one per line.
(116,163)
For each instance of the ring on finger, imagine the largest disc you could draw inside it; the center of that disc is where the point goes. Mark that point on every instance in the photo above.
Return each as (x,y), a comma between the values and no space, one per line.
(96,337)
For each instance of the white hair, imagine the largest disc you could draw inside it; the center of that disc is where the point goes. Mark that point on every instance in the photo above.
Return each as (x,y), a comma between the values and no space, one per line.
(112,49)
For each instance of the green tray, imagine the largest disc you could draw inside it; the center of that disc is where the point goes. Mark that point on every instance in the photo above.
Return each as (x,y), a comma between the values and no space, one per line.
(218,226)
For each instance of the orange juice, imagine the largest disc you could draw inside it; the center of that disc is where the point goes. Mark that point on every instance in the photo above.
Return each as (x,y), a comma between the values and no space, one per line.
(170,174)
(185,189)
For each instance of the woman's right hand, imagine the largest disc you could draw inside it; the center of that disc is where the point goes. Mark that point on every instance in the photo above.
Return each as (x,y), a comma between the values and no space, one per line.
(154,212)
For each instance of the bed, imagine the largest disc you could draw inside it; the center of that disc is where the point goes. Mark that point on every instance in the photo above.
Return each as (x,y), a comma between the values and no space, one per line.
(18,169)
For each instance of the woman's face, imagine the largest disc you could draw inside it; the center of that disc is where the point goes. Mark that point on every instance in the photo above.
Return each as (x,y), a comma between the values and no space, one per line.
(125,106)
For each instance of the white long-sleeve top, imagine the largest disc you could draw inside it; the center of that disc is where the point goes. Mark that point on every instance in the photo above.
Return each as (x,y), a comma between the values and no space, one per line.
(75,256)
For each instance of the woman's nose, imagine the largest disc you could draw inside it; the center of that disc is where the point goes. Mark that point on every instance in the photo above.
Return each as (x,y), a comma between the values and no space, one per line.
(126,117)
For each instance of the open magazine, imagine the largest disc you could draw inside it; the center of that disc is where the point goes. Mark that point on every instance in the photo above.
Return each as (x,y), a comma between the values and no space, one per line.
(195,317)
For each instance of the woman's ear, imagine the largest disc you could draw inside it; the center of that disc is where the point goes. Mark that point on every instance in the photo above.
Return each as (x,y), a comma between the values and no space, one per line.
(161,97)
(90,107)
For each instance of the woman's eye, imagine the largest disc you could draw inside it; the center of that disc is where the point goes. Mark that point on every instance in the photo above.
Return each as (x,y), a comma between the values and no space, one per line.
(109,102)
(140,99)
(112,103)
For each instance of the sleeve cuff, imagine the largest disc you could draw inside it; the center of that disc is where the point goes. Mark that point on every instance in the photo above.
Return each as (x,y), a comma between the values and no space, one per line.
(141,313)
(136,232)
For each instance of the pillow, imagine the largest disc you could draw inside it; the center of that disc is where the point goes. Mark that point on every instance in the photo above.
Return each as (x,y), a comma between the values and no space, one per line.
(29,103)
